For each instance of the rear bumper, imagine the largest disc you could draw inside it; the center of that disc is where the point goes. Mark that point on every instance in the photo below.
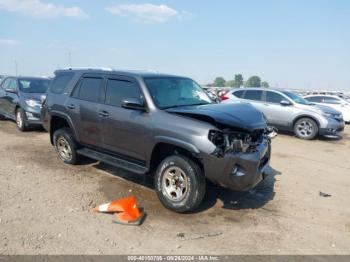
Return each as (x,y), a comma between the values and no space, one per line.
(240,171)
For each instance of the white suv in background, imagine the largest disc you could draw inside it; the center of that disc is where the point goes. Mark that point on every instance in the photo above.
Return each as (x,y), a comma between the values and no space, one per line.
(289,111)
(332,101)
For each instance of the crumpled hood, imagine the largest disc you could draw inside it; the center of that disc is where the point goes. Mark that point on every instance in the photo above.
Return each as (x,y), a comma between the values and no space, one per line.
(236,115)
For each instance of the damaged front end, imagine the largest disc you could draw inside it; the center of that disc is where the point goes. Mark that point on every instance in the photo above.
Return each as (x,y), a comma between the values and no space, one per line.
(240,159)
(229,141)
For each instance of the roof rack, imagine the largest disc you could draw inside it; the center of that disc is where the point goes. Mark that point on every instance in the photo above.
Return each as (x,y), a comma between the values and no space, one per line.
(89,68)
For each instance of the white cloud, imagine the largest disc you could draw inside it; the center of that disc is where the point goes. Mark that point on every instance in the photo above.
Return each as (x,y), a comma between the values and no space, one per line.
(148,13)
(9,42)
(40,9)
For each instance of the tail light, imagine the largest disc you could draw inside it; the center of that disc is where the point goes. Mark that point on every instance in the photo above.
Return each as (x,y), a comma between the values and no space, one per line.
(224,97)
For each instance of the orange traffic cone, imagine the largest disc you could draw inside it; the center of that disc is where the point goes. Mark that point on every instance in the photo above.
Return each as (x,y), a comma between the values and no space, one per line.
(127,209)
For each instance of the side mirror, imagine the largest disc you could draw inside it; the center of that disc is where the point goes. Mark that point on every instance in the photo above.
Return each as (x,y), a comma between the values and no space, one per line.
(285,103)
(43,99)
(11,90)
(133,103)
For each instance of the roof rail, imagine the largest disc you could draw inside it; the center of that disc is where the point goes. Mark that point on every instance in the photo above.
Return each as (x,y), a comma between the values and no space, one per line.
(89,68)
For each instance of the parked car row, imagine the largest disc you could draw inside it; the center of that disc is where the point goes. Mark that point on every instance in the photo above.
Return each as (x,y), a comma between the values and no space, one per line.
(150,123)
(289,111)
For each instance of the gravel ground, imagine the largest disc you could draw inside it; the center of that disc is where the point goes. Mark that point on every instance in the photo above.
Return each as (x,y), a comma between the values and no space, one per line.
(45,205)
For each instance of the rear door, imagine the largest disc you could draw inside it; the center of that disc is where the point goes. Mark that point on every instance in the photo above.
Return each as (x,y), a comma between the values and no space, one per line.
(124,130)
(255,98)
(277,114)
(83,108)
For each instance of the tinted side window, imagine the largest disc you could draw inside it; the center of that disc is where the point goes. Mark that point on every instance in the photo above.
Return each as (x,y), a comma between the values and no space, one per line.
(272,97)
(13,84)
(117,90)
(253,95)
(238,93)
(5,83)
(316,99)
(90,89)
(331,100)
(60,82)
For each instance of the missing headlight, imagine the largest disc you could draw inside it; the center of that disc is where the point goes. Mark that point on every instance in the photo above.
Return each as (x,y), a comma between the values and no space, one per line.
(228,141)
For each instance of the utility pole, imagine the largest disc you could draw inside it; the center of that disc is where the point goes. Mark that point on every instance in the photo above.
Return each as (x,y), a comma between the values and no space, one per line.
(70,59)
(16,67)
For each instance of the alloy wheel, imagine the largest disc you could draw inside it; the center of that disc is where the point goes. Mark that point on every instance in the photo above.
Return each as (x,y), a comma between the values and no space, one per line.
(305,128)
(19,119)
(175,183)
(64,149)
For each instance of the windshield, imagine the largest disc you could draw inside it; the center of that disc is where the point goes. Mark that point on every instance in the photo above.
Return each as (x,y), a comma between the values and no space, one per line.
(170,92)
(33,85)
(296,98)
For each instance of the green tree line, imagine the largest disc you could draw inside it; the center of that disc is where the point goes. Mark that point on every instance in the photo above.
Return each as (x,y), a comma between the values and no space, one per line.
(238,81)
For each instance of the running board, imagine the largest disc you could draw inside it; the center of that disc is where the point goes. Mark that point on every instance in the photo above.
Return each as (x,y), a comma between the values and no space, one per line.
(113,160)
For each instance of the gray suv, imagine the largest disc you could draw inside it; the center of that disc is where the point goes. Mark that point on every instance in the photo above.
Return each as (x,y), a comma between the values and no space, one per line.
(288,111)
(157,124)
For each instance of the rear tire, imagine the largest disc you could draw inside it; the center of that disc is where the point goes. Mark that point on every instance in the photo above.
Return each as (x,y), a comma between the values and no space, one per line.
(306,128)
(180,183)
(66,146)
(21,122)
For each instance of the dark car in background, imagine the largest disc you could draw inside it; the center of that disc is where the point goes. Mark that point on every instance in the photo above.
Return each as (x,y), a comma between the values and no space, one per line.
(20,100)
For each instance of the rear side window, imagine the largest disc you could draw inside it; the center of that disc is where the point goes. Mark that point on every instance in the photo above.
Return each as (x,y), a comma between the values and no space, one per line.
(89,89)
(59,83)
(331,100)
(239,93)
(253,95)
(272,97)
(117,90)
(316,99)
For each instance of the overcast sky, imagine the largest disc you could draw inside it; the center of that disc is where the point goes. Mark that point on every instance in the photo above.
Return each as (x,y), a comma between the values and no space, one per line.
(292,44)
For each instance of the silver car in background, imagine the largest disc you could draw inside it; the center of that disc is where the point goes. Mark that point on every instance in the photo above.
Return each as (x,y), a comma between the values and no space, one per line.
(288,111)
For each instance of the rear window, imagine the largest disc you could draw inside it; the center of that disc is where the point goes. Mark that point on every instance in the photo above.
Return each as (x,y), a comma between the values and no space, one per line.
(253,95)
(239,93)
(60,82)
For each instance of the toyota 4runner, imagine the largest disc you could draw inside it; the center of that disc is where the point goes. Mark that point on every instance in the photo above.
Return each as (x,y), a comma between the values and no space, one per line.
(165,125)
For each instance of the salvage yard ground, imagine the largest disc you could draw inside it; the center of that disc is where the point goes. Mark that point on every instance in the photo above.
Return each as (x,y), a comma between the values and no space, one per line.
(45,205)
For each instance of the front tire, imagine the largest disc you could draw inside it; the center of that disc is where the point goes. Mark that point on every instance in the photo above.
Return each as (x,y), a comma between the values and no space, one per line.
(306,128)
(180,183)
(21,120)
(66,146)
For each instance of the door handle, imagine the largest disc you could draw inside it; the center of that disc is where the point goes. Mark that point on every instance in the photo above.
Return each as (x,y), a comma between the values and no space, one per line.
(103,114)
(71,106)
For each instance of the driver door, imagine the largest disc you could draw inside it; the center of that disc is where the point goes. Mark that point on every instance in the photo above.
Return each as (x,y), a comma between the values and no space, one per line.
(277,114)
(124,130)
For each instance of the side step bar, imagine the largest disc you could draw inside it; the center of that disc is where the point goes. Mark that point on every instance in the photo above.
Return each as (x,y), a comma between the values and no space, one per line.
(113,160)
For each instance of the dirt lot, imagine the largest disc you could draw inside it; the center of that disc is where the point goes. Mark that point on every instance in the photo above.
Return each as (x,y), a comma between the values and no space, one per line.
(44,205)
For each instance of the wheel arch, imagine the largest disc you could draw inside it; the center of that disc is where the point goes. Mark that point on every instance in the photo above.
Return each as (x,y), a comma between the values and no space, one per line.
(166,146)
(57,121)
(305,116)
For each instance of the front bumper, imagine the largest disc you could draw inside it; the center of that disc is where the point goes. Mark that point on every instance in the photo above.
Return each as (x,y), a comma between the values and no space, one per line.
(332,128)
(239,171)
(32,115)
